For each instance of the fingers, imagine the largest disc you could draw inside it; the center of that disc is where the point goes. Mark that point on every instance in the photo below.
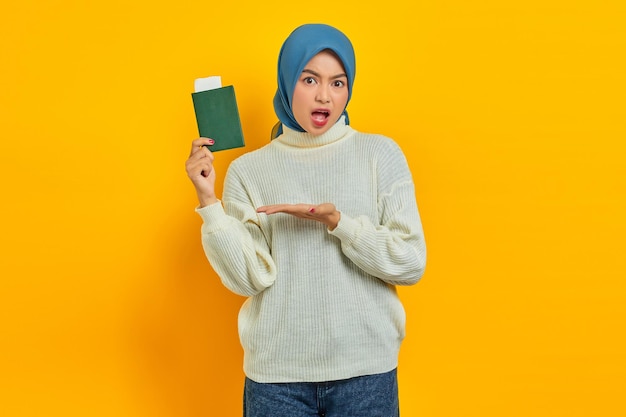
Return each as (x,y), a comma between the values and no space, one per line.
(200,162)
(268,209)
(277,208)
(293,209)
(200,150)
(199,144)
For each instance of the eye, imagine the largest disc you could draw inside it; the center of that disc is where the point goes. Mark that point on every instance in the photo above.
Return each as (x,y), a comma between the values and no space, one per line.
(308,80)
(338,83)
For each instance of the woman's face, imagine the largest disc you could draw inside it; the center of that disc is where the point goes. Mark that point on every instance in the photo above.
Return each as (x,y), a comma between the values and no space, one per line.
(321,93)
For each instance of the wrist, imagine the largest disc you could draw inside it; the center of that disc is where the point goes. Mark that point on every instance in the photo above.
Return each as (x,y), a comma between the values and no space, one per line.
(333,220)
(207,200)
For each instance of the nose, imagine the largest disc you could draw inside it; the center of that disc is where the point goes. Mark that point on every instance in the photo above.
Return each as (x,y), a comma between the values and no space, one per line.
(323,95)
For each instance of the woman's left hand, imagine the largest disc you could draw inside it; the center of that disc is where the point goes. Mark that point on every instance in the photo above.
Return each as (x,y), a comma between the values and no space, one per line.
(325,213)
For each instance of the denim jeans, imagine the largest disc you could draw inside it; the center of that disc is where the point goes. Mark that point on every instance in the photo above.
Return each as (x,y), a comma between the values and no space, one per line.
(365,396)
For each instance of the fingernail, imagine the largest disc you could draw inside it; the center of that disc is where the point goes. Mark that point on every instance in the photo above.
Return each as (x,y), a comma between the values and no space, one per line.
(211,141)
(312,210)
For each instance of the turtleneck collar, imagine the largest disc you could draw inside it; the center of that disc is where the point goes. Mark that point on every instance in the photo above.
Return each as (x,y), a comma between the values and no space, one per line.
(297,139)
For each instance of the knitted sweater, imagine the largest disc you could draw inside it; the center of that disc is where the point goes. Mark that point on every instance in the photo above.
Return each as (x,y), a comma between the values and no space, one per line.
(322,304)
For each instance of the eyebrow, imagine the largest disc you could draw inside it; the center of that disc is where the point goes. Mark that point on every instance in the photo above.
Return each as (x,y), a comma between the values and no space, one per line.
(308,71)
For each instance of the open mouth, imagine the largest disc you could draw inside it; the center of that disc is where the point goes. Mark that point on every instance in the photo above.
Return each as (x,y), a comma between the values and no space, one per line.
(320,117)
(320,114)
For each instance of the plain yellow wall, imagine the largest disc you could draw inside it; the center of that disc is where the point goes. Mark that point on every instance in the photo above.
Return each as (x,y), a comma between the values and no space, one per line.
(512,116)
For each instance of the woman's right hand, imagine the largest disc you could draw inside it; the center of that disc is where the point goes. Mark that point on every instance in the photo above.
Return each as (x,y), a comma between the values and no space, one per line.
(200,171)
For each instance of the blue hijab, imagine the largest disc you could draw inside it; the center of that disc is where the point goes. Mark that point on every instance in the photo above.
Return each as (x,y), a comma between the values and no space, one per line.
(303,44)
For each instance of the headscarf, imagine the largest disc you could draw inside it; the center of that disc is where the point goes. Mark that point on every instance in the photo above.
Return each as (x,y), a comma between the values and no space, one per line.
(303,44)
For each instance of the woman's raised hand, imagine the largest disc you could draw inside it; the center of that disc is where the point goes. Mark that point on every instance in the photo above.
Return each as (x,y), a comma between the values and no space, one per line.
(200,171)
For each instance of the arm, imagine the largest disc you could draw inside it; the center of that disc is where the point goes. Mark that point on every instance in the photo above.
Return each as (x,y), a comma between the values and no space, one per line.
(233,244)
(390,247)
(393,250)
(236,248)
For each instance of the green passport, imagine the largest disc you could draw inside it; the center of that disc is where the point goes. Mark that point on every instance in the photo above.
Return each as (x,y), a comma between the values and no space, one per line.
(217,116)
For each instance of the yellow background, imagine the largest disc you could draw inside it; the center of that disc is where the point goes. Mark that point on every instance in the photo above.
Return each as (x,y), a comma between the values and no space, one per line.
(511,114)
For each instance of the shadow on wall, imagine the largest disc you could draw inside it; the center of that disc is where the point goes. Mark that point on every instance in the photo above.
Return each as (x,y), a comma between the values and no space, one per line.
(185,344)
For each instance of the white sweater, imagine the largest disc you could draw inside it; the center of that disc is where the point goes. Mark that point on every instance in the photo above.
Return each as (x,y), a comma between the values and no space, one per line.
(322,305)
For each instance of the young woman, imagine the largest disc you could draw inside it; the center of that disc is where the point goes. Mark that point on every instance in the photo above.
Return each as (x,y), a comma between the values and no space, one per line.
(317,228)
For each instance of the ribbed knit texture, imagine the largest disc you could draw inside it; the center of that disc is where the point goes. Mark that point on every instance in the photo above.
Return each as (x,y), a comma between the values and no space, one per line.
(322,305)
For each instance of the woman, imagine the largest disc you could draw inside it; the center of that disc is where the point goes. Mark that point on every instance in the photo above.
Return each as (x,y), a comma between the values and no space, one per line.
(316,228)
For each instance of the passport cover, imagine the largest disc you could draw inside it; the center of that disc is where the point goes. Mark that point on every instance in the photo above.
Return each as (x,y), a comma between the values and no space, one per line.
(217,116)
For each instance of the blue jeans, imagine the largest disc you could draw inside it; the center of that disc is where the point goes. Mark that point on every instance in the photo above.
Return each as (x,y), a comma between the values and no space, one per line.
(365,396)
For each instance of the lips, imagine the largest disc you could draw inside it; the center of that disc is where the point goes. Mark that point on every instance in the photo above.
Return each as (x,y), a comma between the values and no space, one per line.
(320,116)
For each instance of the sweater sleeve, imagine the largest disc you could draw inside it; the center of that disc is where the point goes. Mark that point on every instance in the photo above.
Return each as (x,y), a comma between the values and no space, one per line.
(236,247)
(392,247)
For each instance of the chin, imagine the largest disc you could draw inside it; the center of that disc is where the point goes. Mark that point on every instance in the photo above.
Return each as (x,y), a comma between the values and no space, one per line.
(315,130)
